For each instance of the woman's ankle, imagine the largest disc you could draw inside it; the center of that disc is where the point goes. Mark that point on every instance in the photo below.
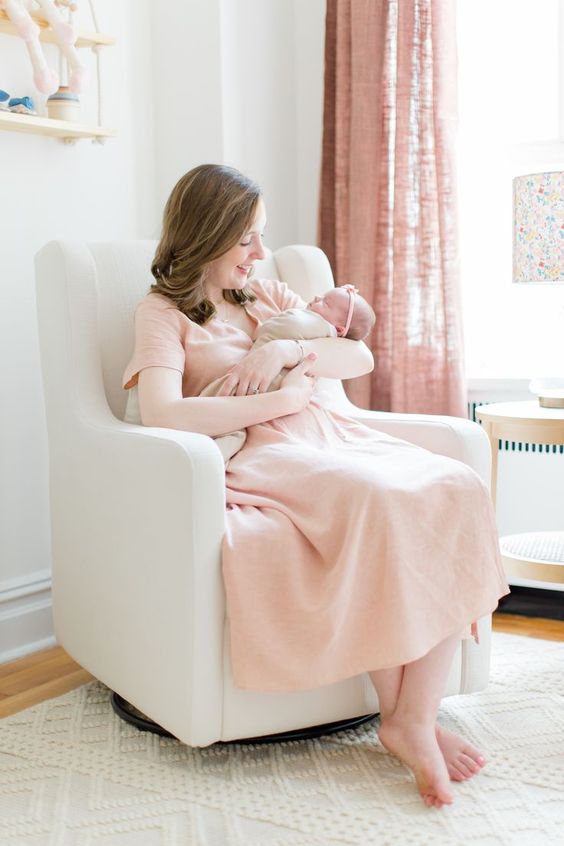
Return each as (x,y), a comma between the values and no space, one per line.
(413,720)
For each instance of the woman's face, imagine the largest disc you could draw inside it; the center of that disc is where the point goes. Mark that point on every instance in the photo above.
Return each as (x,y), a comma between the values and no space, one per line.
(232,270)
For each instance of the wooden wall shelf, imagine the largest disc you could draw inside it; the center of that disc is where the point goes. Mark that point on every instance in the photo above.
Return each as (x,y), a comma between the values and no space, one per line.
(85,39)
(64,129)
(68,131)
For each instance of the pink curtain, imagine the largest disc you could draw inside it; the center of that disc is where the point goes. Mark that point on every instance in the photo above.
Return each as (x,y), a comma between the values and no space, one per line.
(387,216)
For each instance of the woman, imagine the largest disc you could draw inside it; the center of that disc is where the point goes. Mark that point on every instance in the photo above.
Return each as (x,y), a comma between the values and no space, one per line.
(346,550)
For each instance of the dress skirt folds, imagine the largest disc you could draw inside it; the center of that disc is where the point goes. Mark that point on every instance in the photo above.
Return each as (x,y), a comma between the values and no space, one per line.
(346,550)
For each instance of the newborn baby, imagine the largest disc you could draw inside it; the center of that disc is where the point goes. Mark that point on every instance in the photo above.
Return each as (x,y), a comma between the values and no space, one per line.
(341,312)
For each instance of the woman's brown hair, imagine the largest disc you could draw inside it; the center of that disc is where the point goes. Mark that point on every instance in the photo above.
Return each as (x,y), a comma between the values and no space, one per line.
(209,210)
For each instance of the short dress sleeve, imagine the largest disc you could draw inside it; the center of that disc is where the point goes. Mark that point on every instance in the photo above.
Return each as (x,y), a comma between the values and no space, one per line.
(159,338)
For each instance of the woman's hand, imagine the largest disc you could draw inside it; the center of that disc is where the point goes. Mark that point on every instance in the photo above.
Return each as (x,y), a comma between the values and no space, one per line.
(298,384)
(254,373)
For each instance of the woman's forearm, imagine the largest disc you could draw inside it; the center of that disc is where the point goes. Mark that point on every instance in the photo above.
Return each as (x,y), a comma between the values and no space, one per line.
(339,358)
(216,415)
(161,402)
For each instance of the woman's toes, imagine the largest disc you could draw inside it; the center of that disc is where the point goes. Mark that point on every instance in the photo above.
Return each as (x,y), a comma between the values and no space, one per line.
(469,763)
(467,751)
(431,801)
(463,770)
(462,759)
(455,774)
(432,780)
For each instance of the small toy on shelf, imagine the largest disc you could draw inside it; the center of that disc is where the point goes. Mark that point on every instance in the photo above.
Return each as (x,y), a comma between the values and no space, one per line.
(4,97)
(44,78)
(22,105)
(63,105)
(65,35)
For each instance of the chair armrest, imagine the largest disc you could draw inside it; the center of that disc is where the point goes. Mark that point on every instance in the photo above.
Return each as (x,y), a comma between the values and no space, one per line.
(454,437)
(142,604)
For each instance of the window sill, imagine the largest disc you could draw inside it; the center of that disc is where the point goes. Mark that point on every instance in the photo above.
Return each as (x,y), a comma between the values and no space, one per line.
(486,383)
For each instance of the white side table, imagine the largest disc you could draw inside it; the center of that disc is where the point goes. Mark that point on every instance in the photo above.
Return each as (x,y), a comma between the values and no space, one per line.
(532,555)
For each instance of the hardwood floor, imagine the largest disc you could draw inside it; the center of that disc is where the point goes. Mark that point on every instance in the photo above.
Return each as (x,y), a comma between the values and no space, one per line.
(36,677)
(43,675)
(529,626)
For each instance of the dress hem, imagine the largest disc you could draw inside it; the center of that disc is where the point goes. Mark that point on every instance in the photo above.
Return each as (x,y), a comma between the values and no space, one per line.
(312,685)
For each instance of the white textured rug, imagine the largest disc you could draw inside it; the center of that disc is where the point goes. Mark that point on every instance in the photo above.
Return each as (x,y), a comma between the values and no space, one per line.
(73,774)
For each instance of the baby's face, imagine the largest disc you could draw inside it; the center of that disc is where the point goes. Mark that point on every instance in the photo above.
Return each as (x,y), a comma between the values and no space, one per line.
(333,306)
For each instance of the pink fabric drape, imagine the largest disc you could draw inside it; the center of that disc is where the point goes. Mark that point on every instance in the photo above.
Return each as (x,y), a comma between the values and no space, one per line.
(387,216)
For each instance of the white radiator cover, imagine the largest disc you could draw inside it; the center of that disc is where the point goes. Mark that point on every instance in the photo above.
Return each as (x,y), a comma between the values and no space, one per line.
(530,490)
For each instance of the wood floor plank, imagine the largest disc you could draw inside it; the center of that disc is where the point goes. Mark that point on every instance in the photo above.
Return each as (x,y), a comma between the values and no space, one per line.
(28,661)
(55,687)
(36,674)
(529,626)
(52,668)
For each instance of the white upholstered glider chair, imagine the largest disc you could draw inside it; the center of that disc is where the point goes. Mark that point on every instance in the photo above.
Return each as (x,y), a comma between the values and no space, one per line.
(137,513)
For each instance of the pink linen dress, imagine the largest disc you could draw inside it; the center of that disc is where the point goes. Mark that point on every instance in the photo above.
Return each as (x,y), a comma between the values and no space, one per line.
(345,550)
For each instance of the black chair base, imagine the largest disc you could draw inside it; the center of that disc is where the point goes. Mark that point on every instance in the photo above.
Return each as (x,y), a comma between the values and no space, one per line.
(132,716)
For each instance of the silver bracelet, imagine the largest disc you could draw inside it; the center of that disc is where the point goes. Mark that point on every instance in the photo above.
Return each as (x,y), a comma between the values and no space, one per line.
(302,352)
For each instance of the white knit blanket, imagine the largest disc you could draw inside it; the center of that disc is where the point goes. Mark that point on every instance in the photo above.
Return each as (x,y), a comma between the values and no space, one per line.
(72,773)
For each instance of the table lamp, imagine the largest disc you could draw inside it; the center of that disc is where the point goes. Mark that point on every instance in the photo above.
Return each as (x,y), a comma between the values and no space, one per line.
(538,250)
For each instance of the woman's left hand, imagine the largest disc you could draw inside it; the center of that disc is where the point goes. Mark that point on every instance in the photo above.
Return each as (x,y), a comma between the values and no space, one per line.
(254,373)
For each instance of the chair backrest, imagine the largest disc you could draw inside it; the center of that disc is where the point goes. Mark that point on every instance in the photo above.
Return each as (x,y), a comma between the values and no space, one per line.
(86,296)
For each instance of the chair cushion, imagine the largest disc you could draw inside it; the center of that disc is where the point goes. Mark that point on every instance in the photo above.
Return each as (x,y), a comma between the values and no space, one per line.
(132,411)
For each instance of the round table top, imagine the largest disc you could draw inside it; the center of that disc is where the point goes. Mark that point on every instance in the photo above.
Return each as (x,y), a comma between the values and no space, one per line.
(528,410)
(535,546)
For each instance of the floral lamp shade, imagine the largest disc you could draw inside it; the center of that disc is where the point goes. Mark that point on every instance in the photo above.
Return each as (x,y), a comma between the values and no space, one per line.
(538,228)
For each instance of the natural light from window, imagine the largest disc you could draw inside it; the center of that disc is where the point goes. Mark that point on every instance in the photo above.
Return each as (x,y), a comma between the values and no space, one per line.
(510,82)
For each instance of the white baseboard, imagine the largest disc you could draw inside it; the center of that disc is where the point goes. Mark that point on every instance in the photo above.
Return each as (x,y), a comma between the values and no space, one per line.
(26,622)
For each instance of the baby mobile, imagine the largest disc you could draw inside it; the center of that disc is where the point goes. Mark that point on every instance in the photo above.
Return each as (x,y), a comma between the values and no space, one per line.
(62,98)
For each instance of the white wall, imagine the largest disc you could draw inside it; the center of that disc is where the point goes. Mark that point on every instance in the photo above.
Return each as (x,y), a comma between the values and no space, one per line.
(49,190)
(186,70)
(233,81)
(240,82)
(511,96)
(259,95)
(309,21)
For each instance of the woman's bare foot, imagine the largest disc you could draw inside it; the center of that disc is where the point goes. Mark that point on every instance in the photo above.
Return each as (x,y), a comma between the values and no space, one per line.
(417,746)
(461,758)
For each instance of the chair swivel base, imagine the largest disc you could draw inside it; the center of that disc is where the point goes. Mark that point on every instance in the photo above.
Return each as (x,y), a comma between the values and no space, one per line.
(132,716)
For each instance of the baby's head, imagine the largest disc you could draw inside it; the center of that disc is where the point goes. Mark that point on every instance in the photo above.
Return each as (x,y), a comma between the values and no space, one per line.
(346,310)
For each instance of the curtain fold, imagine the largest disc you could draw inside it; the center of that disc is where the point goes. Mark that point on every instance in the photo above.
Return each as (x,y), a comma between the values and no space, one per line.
(387,217)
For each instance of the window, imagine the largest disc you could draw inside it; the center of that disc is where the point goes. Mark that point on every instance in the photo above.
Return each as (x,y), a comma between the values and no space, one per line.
(511,121)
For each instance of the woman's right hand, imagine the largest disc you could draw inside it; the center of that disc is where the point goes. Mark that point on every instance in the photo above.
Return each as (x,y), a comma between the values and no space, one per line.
(298,384)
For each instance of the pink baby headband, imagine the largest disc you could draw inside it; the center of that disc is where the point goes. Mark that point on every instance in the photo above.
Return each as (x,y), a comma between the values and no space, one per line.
(351,291)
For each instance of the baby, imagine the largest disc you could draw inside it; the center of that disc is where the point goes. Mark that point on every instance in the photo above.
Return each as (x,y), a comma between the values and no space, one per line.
(341,312)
